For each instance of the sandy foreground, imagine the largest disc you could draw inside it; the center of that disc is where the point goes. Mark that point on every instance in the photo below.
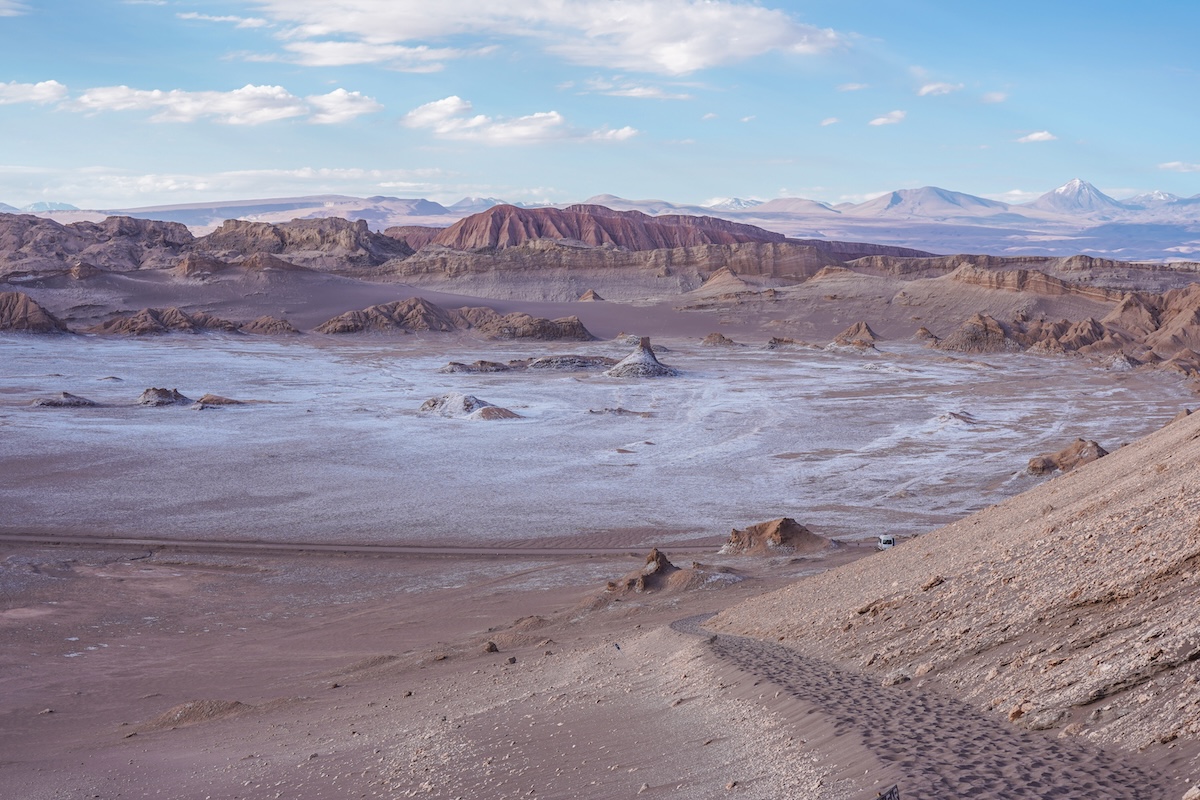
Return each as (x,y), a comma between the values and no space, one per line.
(188,671)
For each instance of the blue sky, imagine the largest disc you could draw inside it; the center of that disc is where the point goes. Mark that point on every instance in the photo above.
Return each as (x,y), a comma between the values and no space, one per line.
(124,103)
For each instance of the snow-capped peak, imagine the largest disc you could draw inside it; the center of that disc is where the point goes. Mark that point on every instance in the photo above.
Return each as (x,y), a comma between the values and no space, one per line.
(730,203)
(1076,197)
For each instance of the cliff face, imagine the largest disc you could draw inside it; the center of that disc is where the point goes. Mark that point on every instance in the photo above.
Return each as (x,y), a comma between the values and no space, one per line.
(119,244)
(501,227)
(327,243)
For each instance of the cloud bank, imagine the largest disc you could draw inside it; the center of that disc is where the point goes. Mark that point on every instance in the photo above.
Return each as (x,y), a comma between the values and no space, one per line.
(453,118)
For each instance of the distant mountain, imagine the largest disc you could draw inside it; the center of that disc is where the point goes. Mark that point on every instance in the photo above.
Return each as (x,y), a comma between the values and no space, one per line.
(794,205)
(1150,200)
(43,205)
(5,208)
(473,205)
(928,202)
(1077,198)
(730,204)
(651,207)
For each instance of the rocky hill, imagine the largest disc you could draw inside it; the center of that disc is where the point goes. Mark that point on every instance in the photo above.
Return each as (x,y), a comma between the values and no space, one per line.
(32,244)
(1070,608)
(332,243)
(509,226)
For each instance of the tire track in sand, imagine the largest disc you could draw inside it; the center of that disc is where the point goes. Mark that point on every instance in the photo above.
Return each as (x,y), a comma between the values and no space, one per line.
(944,747)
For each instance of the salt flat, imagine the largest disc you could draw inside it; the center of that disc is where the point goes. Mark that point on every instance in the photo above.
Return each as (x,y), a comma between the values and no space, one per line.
(851,444)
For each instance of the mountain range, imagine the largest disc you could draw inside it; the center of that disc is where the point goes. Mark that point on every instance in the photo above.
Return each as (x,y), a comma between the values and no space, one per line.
(1076,218)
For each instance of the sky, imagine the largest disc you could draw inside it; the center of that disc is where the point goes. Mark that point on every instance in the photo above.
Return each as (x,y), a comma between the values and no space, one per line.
(129,103)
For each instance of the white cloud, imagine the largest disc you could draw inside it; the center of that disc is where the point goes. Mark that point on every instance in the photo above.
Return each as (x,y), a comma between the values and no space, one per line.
(110,187)
(393,56)
(1038,136)
(935,89)
(1014,196)
(240,22)
(829,121)
(749,118)
(618,87)
(1179,166)
(708,116)
(994,97)
(890,118)
(250,105)
(43,92)
(340,106)
(853,87)
(452,118)
(12,8)
(671,37)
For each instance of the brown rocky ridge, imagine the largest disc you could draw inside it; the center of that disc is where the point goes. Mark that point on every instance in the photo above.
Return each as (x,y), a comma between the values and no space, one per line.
(19,313)
(152,321)
(1076,454)
(418,314)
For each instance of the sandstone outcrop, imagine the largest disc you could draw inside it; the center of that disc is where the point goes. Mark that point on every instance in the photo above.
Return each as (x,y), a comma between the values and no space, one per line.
(163,397)
(152,321)
(413,314)
(474,367)
(783,536)
(464,406)
(641,363)
(1076,454)
(980,334)
(414,236)
(118,244)
(858,336)
(719,340)
(519,325)
(329,243)
(590,296)
(18,312)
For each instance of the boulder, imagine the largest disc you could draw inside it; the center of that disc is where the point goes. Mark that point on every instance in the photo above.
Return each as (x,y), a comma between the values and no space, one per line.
(163,397)
(465,406)
(64,400)
(1073,455)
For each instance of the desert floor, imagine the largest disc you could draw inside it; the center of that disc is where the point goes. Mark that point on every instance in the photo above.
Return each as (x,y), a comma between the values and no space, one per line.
(194,643)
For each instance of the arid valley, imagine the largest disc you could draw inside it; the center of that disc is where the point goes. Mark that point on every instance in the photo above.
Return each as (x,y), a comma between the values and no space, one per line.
(313,510)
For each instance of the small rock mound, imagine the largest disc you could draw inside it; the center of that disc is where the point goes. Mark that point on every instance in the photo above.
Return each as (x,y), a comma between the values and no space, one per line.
(641,363)
(859,336)
(195,712)
(923,334)
(20,313)
(660,575)
(571,362)
(783,536)
(719,340)
(784,343)
(474,367)
(981,333)
(590,296)
(64,400)
(215,401)
(270,326)
(163,397)
(1073,455)
(464,406)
